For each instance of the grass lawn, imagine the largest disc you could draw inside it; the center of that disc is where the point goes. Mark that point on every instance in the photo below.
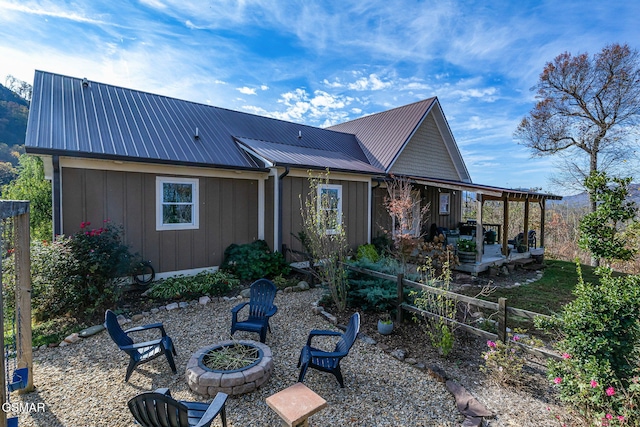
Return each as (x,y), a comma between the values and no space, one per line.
(547,295)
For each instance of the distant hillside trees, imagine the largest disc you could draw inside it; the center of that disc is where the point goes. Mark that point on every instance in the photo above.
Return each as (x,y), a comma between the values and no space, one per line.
(14,110)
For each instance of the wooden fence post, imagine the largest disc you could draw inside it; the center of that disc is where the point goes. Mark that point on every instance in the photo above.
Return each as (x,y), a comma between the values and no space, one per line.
(23,337)
(400,297)
(502,319)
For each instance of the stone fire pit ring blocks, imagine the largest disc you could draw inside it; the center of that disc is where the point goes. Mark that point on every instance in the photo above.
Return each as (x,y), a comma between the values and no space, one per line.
(208,382)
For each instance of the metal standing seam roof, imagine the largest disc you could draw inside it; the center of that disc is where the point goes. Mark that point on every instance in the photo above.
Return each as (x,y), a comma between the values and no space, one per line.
(384,134)
(281,154)
(104,121)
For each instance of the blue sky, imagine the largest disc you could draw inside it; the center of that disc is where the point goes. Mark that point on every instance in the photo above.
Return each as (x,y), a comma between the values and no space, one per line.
(324,62)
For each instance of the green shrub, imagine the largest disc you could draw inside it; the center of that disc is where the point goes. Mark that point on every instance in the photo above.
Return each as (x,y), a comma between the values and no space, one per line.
(75,275)
(253,261)
(204,283)
(369,252)
(373,294)
(601,347)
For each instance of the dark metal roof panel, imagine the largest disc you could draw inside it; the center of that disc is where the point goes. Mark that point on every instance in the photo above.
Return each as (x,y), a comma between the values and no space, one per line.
(384,134)
(281,154)
(103,120)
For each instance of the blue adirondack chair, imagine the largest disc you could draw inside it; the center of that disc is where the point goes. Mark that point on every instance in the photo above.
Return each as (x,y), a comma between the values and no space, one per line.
(325,361)
(159,409)
(140,352)
(261,308)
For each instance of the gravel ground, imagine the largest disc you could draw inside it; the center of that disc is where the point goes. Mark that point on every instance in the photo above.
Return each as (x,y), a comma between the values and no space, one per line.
(83,384)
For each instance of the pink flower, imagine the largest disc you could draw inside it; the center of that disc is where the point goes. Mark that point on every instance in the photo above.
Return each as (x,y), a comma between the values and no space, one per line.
(557,380)
(594,384)
(611,391)
(620,418)
(566,356)
(516,338)
(491,344)
(609,416)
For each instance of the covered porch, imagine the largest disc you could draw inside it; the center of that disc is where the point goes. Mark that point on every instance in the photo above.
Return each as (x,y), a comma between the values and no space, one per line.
(502,248)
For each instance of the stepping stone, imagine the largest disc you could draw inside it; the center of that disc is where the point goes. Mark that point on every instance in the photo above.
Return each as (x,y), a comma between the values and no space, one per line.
(90,331)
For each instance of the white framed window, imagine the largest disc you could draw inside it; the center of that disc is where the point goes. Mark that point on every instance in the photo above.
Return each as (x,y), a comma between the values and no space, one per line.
(177,205)
(444,203)
(330,204)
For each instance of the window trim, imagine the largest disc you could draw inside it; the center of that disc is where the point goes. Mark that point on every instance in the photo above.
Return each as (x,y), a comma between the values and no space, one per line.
(338,187)
(195,210)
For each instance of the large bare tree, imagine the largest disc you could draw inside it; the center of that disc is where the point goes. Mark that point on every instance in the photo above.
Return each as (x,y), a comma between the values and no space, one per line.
(588,108)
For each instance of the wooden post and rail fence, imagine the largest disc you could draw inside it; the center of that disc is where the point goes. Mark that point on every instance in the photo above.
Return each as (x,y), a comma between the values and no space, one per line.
(500,307)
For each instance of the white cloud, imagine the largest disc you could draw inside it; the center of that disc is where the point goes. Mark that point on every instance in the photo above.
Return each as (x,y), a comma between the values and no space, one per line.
(53,11)
(264,87)
(246,90)
(487,94)
(335,84)
(373,82)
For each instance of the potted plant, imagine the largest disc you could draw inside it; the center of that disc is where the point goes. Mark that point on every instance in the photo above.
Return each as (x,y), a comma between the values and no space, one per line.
(385,324)
(467,250)
(490,237)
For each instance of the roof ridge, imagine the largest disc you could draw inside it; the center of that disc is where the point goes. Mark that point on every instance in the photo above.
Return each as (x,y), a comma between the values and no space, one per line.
(431,99)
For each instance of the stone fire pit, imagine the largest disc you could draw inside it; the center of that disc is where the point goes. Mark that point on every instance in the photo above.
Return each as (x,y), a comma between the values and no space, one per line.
(208,382)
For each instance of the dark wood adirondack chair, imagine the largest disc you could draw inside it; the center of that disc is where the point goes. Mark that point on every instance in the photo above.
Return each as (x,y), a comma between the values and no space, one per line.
(325,361)
(140,352)
(261,308)
(159,409)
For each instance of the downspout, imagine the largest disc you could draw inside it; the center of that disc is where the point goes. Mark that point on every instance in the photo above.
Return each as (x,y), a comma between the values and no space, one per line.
(56,198)
(371,209)
(284,174)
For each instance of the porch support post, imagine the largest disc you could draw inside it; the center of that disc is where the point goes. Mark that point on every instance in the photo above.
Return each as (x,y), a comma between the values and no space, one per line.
(526,223)
(276,210)
(479,235)
(261,208)
(505,226)
(543,203)
(56,197)
(369,210)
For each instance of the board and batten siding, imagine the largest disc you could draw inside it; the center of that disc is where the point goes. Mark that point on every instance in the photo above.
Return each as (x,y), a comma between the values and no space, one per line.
(426,154)
(382,221)
(228,214)
(354,210)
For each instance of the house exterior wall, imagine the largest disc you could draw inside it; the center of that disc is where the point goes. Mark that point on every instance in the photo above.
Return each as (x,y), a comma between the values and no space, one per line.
(382,220)
(354,210)
(426,154)
(228,214)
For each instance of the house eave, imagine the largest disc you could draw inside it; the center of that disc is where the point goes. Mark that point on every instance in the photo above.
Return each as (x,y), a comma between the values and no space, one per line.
(116,158)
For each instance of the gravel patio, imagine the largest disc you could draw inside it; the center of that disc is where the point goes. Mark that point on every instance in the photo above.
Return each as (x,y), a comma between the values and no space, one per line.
(83,384)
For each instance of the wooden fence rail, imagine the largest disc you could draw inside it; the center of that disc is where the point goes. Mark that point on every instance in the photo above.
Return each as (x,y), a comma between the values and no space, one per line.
(500,307)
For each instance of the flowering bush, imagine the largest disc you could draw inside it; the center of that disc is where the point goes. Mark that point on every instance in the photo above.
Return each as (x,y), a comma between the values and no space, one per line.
(78,274)
(601,341)
(503,361)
